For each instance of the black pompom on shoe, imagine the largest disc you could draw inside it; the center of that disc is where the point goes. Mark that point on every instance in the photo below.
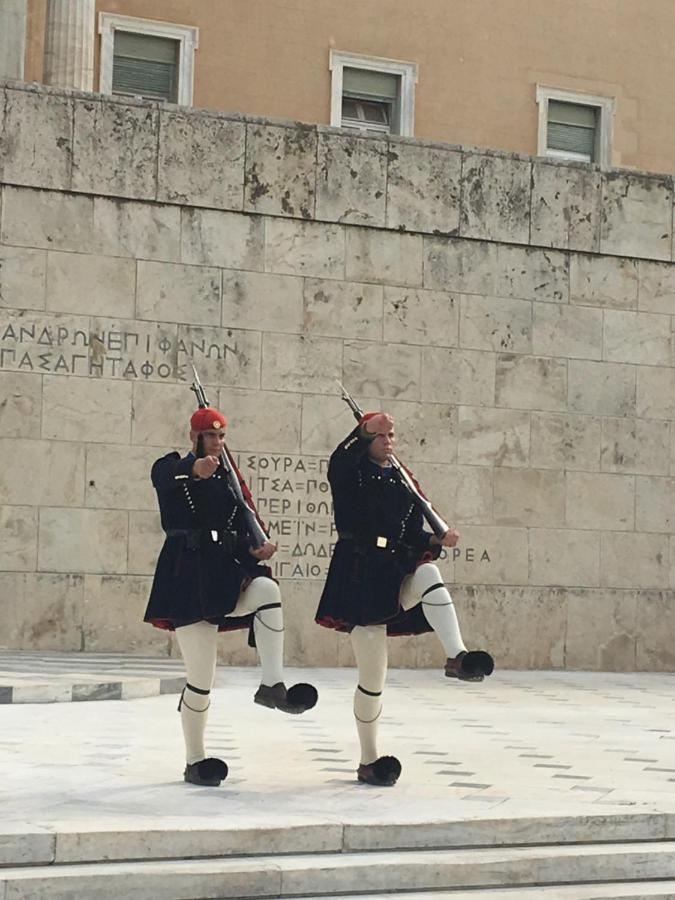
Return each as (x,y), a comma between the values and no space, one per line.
(302,695)
(209,772)
(384,772)
(470,665)
(297,699)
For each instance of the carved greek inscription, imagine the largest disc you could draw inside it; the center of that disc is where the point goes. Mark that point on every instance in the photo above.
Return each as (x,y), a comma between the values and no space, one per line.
(293,496)
(115,348)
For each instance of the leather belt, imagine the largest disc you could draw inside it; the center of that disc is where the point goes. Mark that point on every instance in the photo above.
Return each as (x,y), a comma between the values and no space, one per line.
(195,536)
(379,541)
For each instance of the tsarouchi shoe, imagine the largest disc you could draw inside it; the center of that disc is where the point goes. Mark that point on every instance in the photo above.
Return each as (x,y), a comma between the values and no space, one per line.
(470,665)
(297,699)
(383,772)
(209,772)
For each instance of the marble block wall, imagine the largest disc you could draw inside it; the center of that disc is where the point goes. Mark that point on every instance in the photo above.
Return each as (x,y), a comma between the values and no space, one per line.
(514,314)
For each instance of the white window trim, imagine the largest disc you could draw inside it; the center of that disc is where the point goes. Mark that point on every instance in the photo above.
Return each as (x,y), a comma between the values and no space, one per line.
(605,106)
(186,35)
(407,72)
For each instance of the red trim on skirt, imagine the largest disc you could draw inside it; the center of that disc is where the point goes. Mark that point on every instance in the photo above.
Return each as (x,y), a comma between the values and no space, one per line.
(168,625)
(341,625)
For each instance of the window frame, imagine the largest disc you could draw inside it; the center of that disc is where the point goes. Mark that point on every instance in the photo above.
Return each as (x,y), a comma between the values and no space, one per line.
(604,106)
(406,71)
(187,37)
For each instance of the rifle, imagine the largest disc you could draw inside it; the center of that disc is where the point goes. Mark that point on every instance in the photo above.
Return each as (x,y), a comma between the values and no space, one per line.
(255,528)
(437,524)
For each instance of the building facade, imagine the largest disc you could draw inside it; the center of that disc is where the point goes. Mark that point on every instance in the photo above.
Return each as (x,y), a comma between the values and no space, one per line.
(585,79)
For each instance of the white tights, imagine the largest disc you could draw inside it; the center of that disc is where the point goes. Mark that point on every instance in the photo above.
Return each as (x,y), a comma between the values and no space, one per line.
(424,586)
(198,648)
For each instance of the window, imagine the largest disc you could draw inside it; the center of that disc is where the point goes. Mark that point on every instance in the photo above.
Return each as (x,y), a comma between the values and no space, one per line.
(575,126)
(370,94)
(572,131)
(370,100)
(145,66)
(144,58)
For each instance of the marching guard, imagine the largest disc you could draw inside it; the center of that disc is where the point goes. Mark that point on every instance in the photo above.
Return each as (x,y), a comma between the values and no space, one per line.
(210,578)
(382,579)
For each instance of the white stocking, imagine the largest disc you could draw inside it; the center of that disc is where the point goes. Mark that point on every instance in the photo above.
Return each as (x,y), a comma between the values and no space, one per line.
(197,644)
(262,597)
(426,586)
(370,648)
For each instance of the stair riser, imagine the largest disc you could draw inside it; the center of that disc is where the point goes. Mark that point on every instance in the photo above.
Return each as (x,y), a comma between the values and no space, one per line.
(123,846)
(269,880)
(146,887)
(510,832)
(43,848)
(613,866)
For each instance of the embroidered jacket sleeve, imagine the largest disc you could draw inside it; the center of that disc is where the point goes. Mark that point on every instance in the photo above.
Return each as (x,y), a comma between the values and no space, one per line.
(170,471)
(346,458)
(419,539)
(344,477)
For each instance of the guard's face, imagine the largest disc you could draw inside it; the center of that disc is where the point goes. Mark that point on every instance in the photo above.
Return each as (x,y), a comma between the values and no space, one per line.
(381,447)
(212,441)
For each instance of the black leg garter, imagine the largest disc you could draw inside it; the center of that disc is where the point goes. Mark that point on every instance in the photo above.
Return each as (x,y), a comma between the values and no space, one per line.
(195,690)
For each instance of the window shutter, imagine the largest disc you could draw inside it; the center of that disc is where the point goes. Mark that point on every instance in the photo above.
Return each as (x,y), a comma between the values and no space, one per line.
(369,84)
(145,65)
(572,129)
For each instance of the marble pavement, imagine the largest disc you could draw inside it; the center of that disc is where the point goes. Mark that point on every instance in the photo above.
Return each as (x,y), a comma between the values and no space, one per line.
(530,743)
(527,758)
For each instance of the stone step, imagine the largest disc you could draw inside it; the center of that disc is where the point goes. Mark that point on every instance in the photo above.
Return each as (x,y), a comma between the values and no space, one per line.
(144,840)
(67,690)
(50,677)
(626,890)
(357,873)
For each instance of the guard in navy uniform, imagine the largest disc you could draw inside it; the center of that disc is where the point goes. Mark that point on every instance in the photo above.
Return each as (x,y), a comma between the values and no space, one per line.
(209,578)
(382,580)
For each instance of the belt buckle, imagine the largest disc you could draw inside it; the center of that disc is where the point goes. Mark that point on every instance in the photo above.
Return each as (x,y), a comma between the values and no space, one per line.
(381,542)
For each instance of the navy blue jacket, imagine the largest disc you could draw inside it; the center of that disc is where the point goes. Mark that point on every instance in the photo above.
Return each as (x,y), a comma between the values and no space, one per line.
(205,560)
(381,539)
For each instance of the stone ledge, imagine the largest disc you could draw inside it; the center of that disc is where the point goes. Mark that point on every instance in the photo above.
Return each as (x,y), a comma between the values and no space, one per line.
(531,200)
(57,692)
(28,677)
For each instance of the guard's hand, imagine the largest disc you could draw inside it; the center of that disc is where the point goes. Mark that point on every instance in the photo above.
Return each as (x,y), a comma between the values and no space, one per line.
(267,550)
(449,539)
(382,423)
(205,467)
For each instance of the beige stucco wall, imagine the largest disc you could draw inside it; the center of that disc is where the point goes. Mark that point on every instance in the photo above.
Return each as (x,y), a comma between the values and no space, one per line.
(516,316)
(479,61)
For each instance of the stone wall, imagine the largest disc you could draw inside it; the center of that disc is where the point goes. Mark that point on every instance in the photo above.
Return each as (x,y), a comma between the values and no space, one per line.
(515,315)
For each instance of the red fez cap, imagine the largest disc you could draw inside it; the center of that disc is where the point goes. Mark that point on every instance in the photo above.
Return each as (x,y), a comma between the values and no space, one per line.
(207,419)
